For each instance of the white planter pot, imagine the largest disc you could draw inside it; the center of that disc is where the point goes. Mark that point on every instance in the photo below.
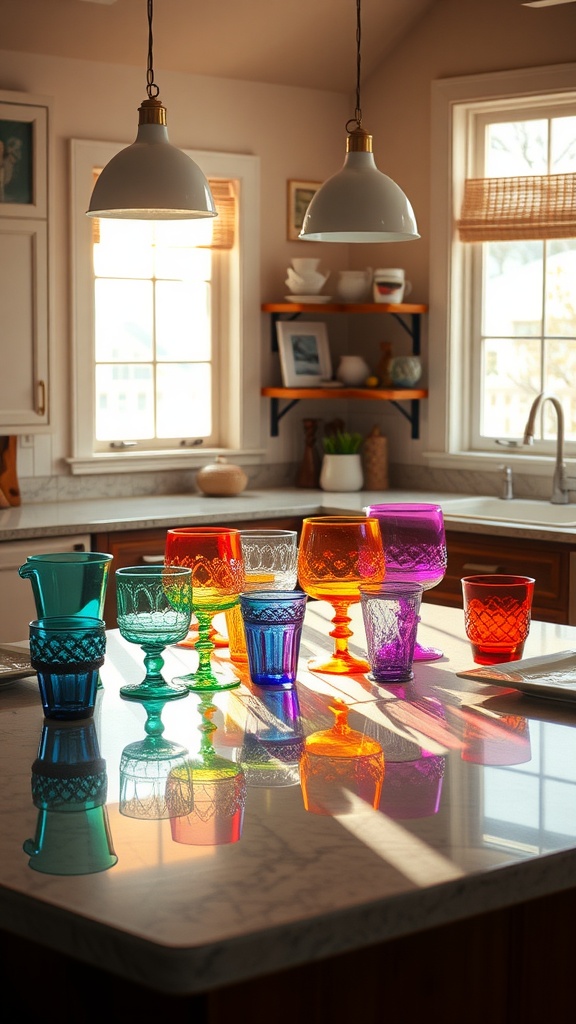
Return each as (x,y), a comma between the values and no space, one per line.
(341,473)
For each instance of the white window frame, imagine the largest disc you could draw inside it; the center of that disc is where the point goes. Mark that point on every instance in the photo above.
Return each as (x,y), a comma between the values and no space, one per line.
(239,386)
(451,261)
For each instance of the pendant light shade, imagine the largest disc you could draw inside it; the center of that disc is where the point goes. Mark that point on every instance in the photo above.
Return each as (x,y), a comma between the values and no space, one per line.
(151,179)
(359,203)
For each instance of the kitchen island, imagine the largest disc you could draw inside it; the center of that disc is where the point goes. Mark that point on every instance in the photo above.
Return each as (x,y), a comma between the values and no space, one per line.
(455,894)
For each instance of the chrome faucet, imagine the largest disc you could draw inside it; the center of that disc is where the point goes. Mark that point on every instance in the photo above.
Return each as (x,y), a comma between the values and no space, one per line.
(561,484)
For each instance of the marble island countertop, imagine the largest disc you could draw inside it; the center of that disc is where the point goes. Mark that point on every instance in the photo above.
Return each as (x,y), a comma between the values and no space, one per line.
(470,820)
(148,512)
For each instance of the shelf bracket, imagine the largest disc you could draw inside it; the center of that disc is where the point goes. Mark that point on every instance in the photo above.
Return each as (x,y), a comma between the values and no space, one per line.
(276,413)
(413,331)
(413,416)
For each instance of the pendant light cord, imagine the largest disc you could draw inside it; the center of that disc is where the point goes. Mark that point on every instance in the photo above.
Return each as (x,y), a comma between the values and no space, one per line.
(357,119)
(151,88)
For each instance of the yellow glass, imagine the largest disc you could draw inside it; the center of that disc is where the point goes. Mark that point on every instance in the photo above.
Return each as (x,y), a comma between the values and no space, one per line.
(337,555)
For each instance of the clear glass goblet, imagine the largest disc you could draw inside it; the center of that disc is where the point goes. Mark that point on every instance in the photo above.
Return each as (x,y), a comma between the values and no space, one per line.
(414,542)
(338,554)
(214,556)
(154,610)
(270,563)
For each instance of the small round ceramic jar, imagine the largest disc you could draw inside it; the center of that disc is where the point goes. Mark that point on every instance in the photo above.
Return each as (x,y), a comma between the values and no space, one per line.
(405,371)
(221,479)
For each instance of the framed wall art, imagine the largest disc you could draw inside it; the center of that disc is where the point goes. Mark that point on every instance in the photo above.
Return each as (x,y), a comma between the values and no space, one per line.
(23,155)
(304,354)
(300,194)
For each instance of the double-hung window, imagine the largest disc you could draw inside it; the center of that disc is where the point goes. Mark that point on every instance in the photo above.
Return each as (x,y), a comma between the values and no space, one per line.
(165,326)
(503,293)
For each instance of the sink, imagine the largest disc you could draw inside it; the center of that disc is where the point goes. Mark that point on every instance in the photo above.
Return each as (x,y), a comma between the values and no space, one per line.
(517,510)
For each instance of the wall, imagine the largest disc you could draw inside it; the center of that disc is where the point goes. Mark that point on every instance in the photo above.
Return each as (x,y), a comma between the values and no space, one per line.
(298,134)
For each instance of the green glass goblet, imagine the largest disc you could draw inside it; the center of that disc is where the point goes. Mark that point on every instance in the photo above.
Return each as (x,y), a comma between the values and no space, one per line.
(214,555)
(154,610)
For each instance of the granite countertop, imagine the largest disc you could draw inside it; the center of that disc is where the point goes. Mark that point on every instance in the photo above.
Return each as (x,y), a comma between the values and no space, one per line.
(162,511)
(467,785)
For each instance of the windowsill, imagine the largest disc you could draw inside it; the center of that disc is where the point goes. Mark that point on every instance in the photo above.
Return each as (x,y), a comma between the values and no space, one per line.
(526,464)
(142,462)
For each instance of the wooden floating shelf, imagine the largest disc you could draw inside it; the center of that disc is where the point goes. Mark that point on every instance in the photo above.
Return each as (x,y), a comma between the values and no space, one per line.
(388,394)
(343,307)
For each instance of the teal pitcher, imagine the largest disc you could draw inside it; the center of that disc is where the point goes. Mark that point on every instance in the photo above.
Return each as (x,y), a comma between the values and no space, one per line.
(68,583)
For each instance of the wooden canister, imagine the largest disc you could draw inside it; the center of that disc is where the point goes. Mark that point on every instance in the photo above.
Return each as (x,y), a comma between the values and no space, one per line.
(375,460)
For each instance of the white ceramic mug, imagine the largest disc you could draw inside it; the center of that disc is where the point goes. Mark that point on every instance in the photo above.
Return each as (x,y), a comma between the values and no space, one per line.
(390,285)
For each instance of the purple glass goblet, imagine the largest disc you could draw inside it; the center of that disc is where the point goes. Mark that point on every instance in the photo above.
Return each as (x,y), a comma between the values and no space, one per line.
(414,542)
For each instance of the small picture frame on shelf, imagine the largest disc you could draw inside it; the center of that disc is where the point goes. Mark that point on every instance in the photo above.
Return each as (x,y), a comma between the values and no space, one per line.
(304,354)
(300,195)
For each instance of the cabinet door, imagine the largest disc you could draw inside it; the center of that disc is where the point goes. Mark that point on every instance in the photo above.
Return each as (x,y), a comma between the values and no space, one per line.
(472,554)
(24,326)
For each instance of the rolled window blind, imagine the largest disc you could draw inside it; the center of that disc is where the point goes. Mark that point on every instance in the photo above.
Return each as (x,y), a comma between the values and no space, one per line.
(531,206)
(224,226)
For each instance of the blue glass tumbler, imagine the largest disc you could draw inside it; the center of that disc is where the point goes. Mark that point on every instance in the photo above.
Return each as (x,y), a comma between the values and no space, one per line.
(67,651)
(273,622)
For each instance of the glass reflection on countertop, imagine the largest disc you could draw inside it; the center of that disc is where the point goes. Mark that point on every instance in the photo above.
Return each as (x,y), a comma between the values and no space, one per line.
(273,738)
(217,784)
(69,788)
(145,767)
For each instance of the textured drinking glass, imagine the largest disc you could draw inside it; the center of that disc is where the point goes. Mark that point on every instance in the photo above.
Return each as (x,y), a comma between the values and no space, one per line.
(497,611)
(270,563)
(340,767)
(67,651)
(338,554)
(391,617)
(273,622)
(68,583)
(214,555)
(154,610)
(414,541)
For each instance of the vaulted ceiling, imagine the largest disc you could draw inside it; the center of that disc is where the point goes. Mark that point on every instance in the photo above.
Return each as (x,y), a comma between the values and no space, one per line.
(311,43)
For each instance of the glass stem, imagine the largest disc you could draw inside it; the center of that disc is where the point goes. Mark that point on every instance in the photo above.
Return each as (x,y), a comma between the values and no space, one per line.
(154,663)
(341,631)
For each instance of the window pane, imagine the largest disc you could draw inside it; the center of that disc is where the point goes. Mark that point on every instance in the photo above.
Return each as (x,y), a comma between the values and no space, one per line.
(123,320)
(124,249)
(184,401)
(563,145)
(513,288)
(183,263)
(559,377)
(183,324)
(511,380)
(561,289)
(124,402)
(517,147)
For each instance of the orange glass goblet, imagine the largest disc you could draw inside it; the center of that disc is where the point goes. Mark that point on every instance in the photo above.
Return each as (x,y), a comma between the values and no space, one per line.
(338,554)
(214,554)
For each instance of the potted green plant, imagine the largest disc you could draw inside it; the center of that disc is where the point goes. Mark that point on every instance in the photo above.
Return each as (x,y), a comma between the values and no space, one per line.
(342,463)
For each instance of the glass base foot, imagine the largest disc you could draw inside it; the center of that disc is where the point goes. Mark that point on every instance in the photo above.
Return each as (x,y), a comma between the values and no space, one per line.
(150,692)
(427,653)
(207,684)
(340,665)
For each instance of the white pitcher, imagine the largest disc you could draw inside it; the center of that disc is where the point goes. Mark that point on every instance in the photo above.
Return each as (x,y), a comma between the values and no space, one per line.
(354,285)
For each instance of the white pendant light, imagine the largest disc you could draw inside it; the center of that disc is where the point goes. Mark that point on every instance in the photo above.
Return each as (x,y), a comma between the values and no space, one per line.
(359,203)
(151,179)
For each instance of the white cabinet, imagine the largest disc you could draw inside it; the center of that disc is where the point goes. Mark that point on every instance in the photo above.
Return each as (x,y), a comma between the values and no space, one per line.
(24,263)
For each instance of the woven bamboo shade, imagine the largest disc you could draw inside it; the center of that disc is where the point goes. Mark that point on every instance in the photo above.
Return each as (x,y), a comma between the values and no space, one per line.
(532,206)
(223,226)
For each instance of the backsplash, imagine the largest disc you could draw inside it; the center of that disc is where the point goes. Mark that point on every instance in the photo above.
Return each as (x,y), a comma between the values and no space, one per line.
(42,490)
